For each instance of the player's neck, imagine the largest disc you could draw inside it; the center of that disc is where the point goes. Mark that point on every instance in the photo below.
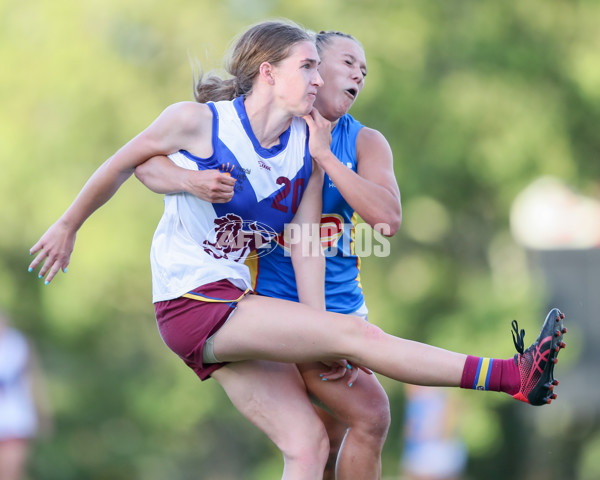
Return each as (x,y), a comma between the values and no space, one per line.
(267,121)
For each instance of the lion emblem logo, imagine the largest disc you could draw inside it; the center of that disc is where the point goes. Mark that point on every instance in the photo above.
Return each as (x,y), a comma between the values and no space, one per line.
(234,239)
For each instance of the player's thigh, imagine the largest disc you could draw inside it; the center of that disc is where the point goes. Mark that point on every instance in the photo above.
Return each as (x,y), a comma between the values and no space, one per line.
(273,397)
(274,329)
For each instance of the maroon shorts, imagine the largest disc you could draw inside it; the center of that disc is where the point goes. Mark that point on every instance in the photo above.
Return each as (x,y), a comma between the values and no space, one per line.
(185,323)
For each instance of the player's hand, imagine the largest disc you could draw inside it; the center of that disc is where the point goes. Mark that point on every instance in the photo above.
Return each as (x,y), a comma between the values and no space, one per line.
(341,369)
(213,186)
(53,251)
(319,140)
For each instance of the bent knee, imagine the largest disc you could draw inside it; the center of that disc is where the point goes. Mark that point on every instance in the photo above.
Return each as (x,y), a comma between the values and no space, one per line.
(375,423)
(379,423)
(375,418)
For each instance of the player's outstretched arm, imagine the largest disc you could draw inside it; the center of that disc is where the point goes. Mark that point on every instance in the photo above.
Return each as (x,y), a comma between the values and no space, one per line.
(169,132)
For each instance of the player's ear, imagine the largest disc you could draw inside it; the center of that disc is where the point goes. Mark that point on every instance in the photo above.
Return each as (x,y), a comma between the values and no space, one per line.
(266,73)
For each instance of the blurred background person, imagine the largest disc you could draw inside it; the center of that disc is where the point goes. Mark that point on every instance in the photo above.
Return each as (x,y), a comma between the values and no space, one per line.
(433,448)
(23,411)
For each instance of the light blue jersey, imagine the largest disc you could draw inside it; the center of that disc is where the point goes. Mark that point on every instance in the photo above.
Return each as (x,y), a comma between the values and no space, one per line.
(273,274)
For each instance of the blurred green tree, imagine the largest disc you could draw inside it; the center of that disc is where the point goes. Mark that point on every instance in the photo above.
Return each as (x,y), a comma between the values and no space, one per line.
(477,99)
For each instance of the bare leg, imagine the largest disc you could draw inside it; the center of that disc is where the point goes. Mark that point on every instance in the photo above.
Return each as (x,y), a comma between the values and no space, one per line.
(336,431)
(359,418)
(273,397)
(283,331)
(13,458)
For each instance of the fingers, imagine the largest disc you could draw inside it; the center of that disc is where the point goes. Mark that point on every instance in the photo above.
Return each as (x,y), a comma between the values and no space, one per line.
(343,369)
(213,186)
(221,199)
(53,252)
(34,264)
(315,118)
(319,134)
(336,371)
(37,248)
(314,113)
(334,374)
(222,195)
(54,267)
(353,375)
(312,120)
(219,196)
(50,266)
(309,120)
(224,188)
(227,180)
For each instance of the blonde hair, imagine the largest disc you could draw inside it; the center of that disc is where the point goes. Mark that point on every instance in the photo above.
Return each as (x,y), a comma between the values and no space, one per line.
(269,41)
(323,39)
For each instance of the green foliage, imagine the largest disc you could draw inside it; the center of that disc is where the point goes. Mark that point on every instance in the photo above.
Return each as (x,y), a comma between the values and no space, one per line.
(477,99)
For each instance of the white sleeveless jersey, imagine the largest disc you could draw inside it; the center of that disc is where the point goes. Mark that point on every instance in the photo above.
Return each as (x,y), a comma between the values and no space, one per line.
(18,418)
(197,242)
